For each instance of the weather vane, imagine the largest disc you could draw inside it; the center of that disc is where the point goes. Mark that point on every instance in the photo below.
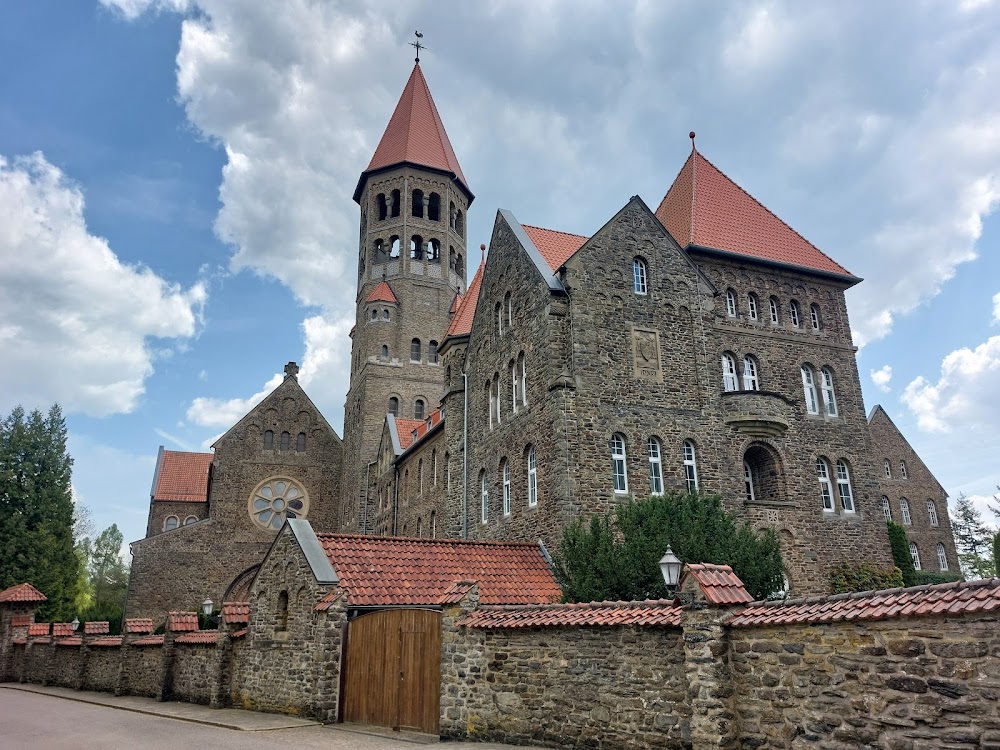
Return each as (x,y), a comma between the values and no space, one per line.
(417,45)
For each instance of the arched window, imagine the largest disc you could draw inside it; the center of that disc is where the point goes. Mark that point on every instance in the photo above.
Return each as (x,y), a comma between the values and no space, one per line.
(451,258)
(619,472)
(690,467)
(385,314)
(829,397)
(888,469)
(489,402)
(459,223)
(268,440)
(300,442)
(748,483)
(286,441)
(394,247)
(655,467)
(281,614)
(814,316)
(809,390)
(750,382)
(383,207)
(729,381)
(374,314)
(825,486)
(886,508)
(915,554)
(524,378)
(730,303)
(420,527)
(532,478)
(434,467)
(379,249)
(418,204)
(170,523)
(394,406)
(904,510)
(844,487)
(639,275)
(459,265)
(434,251)
(434,524)
(434,207)
(508,302)
(190,520)
(942,557)
(416,247)
(415,350)
(394,203)
(451,214)
(385,352)
(902,470)
(484,499)
(498,313)
(793,313)
(432,352)
(752,306)
(932,513)
(506,487)
(772,304)
(418,409)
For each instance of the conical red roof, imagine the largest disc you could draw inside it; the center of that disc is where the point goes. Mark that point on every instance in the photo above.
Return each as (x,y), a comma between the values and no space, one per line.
(461,324)
(382,293)
(415,135)
(706,208)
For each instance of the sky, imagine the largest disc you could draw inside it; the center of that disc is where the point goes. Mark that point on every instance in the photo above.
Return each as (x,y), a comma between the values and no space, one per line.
(176,179)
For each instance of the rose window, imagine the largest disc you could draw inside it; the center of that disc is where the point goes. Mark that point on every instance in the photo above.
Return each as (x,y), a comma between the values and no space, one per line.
(276,499)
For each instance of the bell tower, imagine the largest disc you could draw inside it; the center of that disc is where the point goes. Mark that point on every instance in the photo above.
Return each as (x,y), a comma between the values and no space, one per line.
(411,265)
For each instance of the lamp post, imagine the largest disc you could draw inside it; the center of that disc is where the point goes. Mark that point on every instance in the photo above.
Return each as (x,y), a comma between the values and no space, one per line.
(75,624)
(206,606)
(670,567)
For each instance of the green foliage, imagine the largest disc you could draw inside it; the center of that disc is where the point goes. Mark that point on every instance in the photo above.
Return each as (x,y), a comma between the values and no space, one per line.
(900,546)
(107,577)
(996,554)
(973,539)
(846,578)
(616,556)
(36,510)
(929,577)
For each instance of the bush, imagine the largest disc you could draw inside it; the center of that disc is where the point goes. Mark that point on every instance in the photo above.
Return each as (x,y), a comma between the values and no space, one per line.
(927,577)
(996,555)
(901,553)
(847,577)
(616,556)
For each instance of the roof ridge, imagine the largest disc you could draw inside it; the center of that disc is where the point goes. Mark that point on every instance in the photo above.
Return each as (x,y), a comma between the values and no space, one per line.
(425,540)
(556,231)
(871,594)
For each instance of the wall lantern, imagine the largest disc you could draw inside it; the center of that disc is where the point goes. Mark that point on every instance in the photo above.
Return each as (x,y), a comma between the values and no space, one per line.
(670,567)
(206,607)
(75,624)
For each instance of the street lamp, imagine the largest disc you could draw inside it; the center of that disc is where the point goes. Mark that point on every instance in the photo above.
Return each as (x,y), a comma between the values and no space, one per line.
(670,567)
(206,606)
(75,624)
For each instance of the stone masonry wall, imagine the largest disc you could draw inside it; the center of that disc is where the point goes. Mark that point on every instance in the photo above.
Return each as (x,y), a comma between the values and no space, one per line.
(196,671)
(102,669)
(143,671)
(65,665)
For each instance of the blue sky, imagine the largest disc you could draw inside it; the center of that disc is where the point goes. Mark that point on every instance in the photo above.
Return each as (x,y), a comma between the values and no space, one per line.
(177,176)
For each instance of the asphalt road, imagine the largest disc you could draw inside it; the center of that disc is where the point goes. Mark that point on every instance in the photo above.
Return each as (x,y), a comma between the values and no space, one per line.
(30,721)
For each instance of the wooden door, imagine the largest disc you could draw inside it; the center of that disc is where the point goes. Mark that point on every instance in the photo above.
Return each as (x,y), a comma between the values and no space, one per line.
(393,670)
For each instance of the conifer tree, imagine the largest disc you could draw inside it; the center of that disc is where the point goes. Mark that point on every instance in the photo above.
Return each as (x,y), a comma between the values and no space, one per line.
(973,539)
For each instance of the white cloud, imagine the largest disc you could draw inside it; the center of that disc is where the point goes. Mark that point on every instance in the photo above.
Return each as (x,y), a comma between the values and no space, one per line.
(218,412)
(78,324)
(882,377)
(996,308)
(132,9)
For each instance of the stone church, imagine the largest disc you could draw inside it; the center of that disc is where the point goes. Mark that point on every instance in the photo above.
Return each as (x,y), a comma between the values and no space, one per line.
(703,345)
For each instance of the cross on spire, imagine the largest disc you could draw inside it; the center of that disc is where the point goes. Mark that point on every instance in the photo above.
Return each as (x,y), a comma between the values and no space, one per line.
(417,45)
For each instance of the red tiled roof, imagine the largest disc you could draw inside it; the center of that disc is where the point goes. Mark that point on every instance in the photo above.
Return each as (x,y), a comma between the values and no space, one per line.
(148,640)
(22,641)
(178,622)
(111,640)
(405,428)
(235,612)
(328,600)
(43,641)
(456,592)
(706,208)
(21,621)
(418,428)
(461,324)
(415,135)
(718,583)
(455,304)
(73,640)
(660,612)
(384,571)
(139,625)
(183,477)
(199,636)
(96,628)
(62,629)
(238,633)
(919,601)
(555,247)
(38,629)
(382,293)
(22,592)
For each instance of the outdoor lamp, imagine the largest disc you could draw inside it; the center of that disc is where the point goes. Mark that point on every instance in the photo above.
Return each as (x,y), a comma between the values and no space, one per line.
(206,606)
(75,624)
(670,567)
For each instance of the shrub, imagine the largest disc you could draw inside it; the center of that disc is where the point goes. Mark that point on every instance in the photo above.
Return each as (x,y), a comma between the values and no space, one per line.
(927,577)
(848,577)
(901,553)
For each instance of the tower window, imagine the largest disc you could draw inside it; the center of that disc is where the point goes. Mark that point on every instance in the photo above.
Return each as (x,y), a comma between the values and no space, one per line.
(655,467)
(484,499)
(825,486)
(432,352)
(619,470)
(750,382)
(394,203)
(729,381)
(748,487)
(170,523)
(394,246)
(498,311)
(459,223)
(300,442)
(415,350)
(459,265)
(269,440)
(772,304)
(829,397)
(809,390)
(434,251)
(508,302)
(639,276)
(286,441)
(532,478)
(394,406)
(418,409)
(730,303)
(385,352)
(844,487)
(416,247)
(793,312)
(814,316)
(434,207)
(690,467)
(752,306)
(382,206)
(418,204)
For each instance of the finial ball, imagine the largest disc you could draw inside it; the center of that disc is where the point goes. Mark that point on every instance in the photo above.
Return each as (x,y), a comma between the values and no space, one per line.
(691,135)
(482,247)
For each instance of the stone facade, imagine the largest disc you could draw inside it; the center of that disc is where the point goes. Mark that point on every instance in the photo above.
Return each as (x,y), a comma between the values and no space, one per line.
(907,483)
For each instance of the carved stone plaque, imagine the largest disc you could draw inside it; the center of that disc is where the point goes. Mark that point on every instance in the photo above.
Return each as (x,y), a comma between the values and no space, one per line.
(646,354)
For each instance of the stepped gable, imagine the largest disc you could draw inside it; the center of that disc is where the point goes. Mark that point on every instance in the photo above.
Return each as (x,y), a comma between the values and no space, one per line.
(382,293)
(555,247)
(656,612)
(182,476)
(704,209)
(384,571)
(22,592)
(415,135)
(461,324)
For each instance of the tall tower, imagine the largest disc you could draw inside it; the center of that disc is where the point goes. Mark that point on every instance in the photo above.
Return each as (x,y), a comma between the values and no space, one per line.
(411,265)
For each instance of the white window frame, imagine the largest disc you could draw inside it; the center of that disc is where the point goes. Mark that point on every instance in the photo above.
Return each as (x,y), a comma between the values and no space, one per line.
(506,488)
(730,303)
(690,466)
(752,306)
(809,390)
(942,557)
(532,478)
(655,454)
(794,315)
(844,486)
(772,303)
(829,394)
(932,513)
(640,276)
(484,499)
(825,484)
(814,316)
(750,379)
(166,522)
(514,382)
(190,520)
(730,381)
(509,299)
(751,495)
(902,470)
(500,312)
(886,508)
(915,554)
(524,378)
(619,464)
(904,509)
(888,469)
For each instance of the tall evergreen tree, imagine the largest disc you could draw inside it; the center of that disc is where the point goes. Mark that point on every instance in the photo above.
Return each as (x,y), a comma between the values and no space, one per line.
(107,578)
(36,509)
(973,539)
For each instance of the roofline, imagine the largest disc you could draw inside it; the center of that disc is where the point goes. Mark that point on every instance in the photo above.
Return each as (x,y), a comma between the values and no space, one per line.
(436,170)
(849,278)
(428,540)
(536,257)
(419,440)
(156,474)
(397,447)
(320,564)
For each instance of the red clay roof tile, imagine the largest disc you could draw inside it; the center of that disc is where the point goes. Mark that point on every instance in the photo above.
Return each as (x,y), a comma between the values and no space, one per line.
(718,583)
(461,324)
(111,640)
(661,613)
(328,600)
(382,293)
(417,429)
(415,135)
(20,641)
(148,640)
(455,304)
(62,629)
(178,622)
(22,592)
(234,613)
(705,208)
(139,625)
(73,640)
(21,621)
(383,571)
(183,477)
(38,629)
(199,636)
(96,628)
(238,633)
(405,429)
(555,247)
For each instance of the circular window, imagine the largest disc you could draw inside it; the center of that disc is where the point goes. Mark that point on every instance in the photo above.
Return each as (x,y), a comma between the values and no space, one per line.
(276,499)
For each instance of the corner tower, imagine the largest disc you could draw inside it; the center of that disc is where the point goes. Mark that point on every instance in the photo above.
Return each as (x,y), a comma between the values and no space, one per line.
(411,265)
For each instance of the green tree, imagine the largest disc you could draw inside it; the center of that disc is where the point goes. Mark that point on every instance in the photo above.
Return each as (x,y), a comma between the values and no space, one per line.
(996,554)
(616,556)
(36,509)
(900,546)
(107,578)
(973,539)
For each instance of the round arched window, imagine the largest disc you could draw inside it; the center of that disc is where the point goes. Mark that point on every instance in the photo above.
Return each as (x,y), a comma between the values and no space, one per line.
(276,499)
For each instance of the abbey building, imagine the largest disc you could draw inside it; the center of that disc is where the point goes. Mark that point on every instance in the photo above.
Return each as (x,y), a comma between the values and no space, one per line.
(695,342)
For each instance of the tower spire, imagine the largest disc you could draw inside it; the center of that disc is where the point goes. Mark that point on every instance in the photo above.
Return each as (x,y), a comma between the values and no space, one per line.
(418,46)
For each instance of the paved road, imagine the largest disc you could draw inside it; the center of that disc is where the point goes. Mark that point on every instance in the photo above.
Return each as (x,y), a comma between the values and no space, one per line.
(31,721)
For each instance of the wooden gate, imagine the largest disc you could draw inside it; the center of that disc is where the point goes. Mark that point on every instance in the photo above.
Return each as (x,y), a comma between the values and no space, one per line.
(393,670)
